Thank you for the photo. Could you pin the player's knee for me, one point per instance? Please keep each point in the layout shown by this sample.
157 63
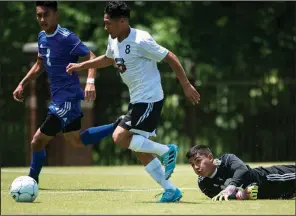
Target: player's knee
74 139
117 138
37 144
120 139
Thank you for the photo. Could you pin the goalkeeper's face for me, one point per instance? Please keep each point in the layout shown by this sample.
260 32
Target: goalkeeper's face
203 164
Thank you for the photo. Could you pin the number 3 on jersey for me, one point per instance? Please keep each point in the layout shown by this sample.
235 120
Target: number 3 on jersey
47 57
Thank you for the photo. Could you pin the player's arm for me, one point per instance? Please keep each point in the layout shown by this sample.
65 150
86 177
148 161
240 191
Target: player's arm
206 190
91 71
150 49
90 90
33 73
79 49
98 62
239 172
238 168
176 66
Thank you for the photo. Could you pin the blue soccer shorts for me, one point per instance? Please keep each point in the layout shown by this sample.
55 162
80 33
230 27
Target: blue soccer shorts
62 117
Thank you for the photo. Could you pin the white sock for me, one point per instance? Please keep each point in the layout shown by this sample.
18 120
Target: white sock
142 144
157 173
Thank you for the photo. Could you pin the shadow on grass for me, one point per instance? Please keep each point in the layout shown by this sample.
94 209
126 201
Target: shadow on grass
181 202
29 203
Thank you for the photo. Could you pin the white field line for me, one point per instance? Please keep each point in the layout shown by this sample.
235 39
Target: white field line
94 172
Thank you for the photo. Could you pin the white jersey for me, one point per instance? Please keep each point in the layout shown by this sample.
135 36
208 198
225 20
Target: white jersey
136 58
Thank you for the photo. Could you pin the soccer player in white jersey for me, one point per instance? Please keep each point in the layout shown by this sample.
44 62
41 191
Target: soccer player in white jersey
135 54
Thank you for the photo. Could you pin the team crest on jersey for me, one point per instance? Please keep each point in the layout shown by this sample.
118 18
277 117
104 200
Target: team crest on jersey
121 68
217 162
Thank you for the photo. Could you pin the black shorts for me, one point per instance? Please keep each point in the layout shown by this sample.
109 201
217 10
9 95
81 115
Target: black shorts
279 183
142 118
52 125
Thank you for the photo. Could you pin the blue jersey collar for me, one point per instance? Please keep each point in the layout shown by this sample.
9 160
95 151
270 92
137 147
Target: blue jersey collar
55 32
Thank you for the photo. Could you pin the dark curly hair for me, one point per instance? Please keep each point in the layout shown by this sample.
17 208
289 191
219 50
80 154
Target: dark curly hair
117 9
50 4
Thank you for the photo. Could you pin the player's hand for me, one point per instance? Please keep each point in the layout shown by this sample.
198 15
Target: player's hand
90 92
191 93
224 194
18 94
250 192
73 67
220 197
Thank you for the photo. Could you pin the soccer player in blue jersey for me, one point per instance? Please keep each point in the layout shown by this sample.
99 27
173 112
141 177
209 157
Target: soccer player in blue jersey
57 47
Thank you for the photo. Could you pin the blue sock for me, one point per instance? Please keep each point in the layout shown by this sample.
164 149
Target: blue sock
37 162
96 134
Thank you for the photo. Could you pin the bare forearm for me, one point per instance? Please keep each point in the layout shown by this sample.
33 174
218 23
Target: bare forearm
176 66
34 72
98 62
92 71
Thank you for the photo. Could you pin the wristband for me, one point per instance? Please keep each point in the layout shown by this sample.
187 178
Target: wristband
90 81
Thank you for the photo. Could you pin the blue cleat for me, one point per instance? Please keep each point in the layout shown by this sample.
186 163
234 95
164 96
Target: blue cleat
169 160
170 196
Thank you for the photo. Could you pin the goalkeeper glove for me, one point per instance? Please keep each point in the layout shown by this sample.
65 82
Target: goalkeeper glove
224 194
249 193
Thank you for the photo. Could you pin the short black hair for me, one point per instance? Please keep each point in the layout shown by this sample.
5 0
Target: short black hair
117 9
200 149
50 4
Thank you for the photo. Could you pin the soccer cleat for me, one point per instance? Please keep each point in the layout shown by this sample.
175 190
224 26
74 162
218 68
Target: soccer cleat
170 195
169 160
118 120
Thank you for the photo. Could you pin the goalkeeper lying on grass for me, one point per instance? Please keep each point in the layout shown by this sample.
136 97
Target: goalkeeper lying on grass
229 178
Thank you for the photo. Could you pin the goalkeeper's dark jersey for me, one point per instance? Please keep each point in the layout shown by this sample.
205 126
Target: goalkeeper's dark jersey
232 171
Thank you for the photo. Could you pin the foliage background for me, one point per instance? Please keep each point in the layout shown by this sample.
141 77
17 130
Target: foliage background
240 55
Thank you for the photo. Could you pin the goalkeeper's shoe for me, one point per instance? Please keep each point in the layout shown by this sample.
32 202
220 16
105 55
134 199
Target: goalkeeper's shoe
169 160
170 195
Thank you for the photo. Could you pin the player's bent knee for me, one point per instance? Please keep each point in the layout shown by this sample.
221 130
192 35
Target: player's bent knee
39 141
117 138
136 142
121 139
73 138
37 144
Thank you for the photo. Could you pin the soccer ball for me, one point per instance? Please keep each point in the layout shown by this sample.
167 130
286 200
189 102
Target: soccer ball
24 189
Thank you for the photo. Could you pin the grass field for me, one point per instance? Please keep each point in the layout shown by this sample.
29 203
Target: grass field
123 190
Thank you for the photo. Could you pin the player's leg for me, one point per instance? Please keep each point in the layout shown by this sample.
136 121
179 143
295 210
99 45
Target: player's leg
71 133
285 178
78 139
123 133
49 128
142 120
71 119
94 135
154 168
280 183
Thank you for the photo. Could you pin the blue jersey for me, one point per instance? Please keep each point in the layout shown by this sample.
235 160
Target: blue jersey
57 51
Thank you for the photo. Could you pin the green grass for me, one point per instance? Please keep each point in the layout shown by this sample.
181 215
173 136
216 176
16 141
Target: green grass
122 190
